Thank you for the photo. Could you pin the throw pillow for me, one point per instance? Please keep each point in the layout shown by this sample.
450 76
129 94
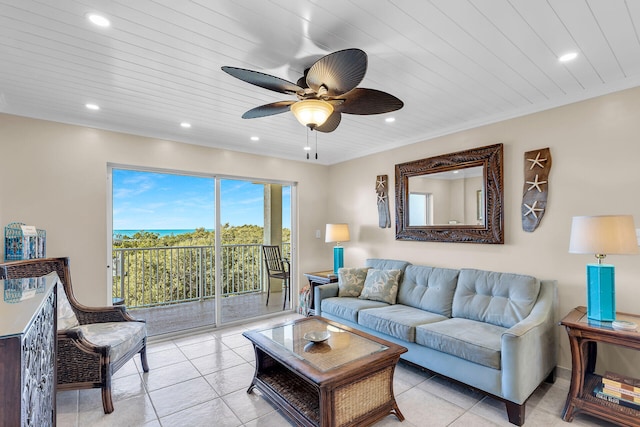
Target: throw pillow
351 281
381 285
66 317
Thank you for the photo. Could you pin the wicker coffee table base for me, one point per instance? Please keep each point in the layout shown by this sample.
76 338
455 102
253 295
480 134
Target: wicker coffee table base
361 402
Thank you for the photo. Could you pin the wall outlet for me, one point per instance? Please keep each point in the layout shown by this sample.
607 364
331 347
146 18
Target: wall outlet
638 235
318 234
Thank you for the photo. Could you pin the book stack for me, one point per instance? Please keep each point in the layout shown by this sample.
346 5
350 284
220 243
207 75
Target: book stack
619 389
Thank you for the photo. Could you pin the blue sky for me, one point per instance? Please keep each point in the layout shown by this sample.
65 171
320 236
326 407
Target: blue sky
159 201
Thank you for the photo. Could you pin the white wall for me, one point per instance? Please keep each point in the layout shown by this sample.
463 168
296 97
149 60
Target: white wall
54 176
595 146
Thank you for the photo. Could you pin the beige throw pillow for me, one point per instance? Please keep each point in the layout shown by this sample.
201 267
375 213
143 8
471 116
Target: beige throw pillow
351 281
381 285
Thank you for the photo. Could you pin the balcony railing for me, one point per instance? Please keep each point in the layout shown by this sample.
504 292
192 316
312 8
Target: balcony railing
147 277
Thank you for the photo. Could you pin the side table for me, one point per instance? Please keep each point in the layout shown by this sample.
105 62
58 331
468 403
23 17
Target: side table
316 279
584 335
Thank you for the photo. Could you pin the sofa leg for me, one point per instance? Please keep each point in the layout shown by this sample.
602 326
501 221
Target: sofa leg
515 413
551 378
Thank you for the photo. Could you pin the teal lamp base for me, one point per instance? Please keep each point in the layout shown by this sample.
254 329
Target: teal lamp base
601 293
338 258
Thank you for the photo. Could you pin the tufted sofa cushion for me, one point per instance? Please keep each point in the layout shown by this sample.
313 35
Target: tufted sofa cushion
428 288
387 264
502 299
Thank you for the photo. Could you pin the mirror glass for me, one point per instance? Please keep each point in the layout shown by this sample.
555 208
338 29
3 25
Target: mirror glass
453 197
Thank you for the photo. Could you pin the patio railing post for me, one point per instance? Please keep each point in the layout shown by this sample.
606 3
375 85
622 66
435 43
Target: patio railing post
200 274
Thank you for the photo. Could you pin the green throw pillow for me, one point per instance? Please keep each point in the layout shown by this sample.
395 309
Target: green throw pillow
381 285
351 281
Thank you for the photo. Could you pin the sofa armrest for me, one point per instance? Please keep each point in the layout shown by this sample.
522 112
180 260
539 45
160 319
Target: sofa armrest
530 348
321 292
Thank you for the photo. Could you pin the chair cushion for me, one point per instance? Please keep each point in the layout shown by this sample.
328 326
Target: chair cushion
351 281
502 299
397 320
381 285
66 317
120 336
347 307
477 342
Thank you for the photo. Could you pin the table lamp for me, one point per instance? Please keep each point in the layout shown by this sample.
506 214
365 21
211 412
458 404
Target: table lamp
602 235
337 233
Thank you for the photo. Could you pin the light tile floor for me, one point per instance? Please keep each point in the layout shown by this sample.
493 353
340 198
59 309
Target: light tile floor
200 379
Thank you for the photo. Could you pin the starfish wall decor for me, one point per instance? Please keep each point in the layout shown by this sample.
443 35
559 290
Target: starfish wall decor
382 191
537 165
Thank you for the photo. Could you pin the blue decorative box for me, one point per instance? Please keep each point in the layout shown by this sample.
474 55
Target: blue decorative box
24 242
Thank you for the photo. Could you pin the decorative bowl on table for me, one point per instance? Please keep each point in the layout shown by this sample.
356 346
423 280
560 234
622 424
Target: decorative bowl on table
317 336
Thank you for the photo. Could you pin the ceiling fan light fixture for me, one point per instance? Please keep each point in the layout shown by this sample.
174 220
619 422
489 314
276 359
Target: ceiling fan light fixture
312 112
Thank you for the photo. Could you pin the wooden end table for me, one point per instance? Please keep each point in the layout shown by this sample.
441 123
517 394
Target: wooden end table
316 279
584 335
346 380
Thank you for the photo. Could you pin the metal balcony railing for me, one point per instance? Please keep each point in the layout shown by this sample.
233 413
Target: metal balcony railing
147 277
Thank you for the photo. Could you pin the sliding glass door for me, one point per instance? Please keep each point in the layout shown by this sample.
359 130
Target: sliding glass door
186 250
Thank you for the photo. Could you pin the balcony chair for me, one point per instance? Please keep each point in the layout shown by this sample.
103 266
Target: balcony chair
277 268
93 342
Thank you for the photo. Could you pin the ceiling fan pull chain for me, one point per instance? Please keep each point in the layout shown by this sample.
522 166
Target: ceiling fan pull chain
307 147
316 145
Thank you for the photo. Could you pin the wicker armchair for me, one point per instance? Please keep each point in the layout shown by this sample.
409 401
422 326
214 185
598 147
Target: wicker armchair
93 342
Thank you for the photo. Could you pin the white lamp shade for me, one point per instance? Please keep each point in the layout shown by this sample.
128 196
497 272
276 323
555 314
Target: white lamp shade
606 235
337 233
312 112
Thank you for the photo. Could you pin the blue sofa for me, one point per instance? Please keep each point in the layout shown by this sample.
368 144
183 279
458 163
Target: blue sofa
495 332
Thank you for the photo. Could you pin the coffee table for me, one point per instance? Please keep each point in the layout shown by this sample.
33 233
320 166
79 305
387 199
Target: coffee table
346 380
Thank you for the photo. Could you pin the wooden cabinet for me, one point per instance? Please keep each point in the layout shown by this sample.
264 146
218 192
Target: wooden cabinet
28 352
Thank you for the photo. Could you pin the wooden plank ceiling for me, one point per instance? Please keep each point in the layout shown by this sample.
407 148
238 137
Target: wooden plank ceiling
456 64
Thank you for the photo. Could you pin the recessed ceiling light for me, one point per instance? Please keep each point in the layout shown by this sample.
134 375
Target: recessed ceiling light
307 148
390 119
255 138
92 106
98 20
568 57
185 125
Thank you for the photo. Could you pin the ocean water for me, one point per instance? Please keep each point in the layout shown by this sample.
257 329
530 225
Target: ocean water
162 233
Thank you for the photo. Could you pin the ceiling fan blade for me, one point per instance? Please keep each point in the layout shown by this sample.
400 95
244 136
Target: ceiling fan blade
263 80
268 109
368 101
331 124
339 72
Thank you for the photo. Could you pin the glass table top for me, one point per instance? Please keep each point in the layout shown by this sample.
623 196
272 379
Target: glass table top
341 346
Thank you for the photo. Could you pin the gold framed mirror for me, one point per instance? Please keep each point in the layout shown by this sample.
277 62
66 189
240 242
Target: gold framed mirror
456 197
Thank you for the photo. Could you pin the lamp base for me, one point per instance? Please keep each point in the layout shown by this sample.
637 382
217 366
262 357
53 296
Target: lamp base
601 293
338 258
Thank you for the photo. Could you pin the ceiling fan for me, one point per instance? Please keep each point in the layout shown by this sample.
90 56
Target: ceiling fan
325 91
